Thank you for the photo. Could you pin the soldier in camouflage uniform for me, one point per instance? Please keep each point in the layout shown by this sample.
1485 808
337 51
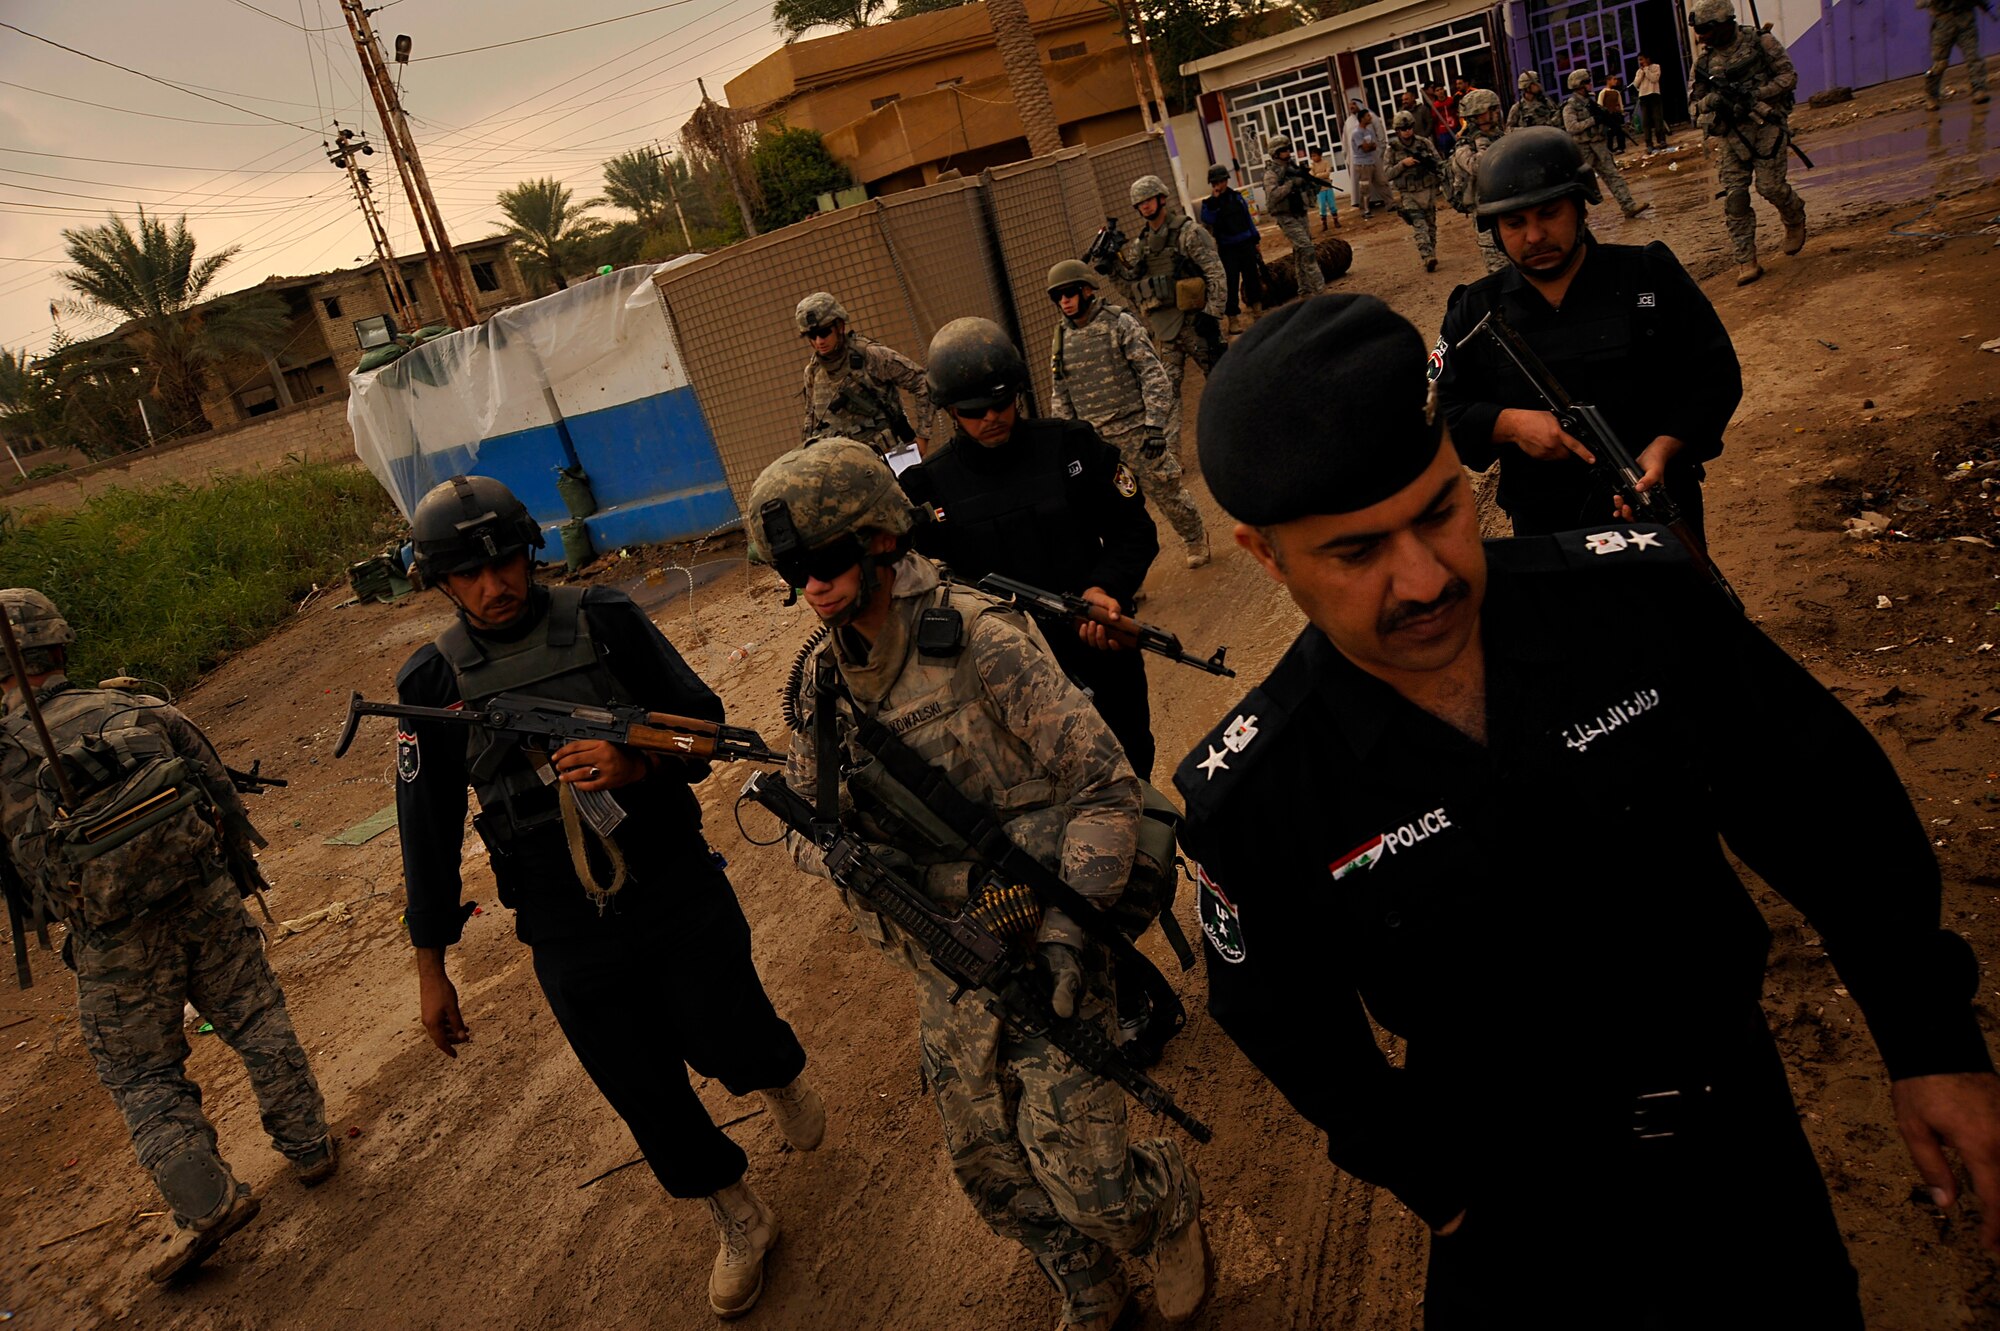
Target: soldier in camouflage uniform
156 921
1585 121
1954 23
1170 250
1480 129
1533 107
1038 1143
852 383
1411 164
1285 193
1108 374
1742 96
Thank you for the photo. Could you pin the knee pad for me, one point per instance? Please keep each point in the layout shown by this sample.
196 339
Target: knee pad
195 1183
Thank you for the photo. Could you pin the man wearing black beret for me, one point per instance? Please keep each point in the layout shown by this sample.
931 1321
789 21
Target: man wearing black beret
1484 800
1623 328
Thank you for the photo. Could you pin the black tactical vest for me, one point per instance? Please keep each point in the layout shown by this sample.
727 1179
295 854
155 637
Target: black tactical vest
1015 518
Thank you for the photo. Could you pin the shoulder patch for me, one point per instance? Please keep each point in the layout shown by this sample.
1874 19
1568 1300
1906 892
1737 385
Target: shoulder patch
1127 484
1206 775
1434 366
1221 924
409 756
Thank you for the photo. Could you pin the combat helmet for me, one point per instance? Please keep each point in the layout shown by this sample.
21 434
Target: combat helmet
1217 174
1528 76
808 509
819 310
1478 102
1069 273
1147 187
1529 167
468 521
1710 13
974 365
1579 78
1404 120
1278 143
36 621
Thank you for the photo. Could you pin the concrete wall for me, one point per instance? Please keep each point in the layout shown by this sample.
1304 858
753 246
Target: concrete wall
316 431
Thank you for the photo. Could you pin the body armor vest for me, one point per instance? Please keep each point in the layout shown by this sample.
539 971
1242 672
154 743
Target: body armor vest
1101 385
1018 521
1744 67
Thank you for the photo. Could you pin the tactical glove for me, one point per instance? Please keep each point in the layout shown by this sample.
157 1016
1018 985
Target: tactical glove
1065 965
1153 445
1208 328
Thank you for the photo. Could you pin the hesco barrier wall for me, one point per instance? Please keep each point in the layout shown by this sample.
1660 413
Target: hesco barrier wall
903 267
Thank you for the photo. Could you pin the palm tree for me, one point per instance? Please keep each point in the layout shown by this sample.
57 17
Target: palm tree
551 237
1029 85
152 279
638 181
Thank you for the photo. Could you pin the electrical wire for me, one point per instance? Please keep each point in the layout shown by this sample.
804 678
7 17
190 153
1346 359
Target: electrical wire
544 36
151 78
153 115
245 4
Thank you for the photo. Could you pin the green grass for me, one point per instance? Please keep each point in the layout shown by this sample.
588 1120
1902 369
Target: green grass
164 583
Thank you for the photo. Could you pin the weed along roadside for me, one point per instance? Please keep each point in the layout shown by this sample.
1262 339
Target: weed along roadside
171 579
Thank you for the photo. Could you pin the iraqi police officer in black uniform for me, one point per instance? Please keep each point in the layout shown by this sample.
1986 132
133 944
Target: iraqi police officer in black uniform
648 968
1484 800
1623 327
1044 501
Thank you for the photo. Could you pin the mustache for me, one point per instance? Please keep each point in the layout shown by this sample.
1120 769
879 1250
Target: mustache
1403 612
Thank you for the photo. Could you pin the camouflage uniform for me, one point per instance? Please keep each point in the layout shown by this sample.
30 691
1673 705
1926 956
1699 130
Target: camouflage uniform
1955 23
1752 149
1579 119
1462 190
1416 188
1107 373
1537 109
861 416
159 922
1039 1144
1285 198
1151 263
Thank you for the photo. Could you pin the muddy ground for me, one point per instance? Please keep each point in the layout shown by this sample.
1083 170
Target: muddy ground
467 1197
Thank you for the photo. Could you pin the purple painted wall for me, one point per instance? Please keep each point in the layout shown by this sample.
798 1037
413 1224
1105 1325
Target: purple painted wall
1862 42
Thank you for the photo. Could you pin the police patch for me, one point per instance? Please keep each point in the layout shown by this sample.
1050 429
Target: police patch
1434 366
1219 920
409 758
1127 483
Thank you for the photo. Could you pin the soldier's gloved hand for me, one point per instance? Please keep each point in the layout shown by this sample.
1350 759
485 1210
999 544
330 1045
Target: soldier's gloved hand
1152 445
1065 965
1207 327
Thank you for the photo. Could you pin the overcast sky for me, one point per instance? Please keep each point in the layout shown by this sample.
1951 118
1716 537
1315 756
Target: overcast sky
484 120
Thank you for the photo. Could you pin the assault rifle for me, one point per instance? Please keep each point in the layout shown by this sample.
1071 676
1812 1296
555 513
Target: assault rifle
253 782
1740 104
1615 462
1305 177
1103 252
1063 609
552 722
1015 988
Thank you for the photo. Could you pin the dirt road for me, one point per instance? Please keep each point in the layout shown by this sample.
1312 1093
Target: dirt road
466 1199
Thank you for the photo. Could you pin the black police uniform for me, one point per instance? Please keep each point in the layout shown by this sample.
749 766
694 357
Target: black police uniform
1635 337
662 977
1053 507
1549 920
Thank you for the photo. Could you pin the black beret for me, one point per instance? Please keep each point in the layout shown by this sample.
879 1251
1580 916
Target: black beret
1319 408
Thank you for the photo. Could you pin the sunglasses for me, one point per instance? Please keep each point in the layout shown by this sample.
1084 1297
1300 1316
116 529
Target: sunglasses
824 563
974 413
1074 289
818 331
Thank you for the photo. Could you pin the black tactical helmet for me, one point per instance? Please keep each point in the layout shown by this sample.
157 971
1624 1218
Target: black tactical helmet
973 364
1529 167
468 521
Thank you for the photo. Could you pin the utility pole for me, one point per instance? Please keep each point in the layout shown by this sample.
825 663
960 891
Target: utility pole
667 164
438 254
342 152
727 144
1160 95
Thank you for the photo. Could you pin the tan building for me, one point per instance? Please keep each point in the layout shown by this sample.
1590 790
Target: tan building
900 102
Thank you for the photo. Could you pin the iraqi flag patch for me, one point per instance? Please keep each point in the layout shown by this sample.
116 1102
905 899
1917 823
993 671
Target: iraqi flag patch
409 758
1363 856
1220 923
1434 366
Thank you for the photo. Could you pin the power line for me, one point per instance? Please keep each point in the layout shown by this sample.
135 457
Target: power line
276 19
154 115
151 78
158 166
543 36
120 184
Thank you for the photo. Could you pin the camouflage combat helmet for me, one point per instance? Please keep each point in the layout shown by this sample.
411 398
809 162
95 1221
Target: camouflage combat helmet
1147 187
1708 13
819 310
1069 273
36 621
973 364
468 521
1404 120
1278 143
814 496
1529 167
1579 78
1529 78
1479 102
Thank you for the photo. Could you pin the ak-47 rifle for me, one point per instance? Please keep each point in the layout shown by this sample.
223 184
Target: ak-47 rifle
550 723
1587 425
1064 609
1014 985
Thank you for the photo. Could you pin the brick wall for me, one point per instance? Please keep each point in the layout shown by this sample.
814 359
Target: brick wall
316 430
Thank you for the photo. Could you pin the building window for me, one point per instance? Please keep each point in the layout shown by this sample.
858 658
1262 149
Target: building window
1070 52
877 103
484 277
332 306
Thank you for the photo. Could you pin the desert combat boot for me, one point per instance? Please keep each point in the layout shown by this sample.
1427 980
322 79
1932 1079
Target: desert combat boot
1183 1269
189 1247
749 1230
800 1115
1795 236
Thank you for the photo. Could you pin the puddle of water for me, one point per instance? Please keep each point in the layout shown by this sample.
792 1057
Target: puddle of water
1897 156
